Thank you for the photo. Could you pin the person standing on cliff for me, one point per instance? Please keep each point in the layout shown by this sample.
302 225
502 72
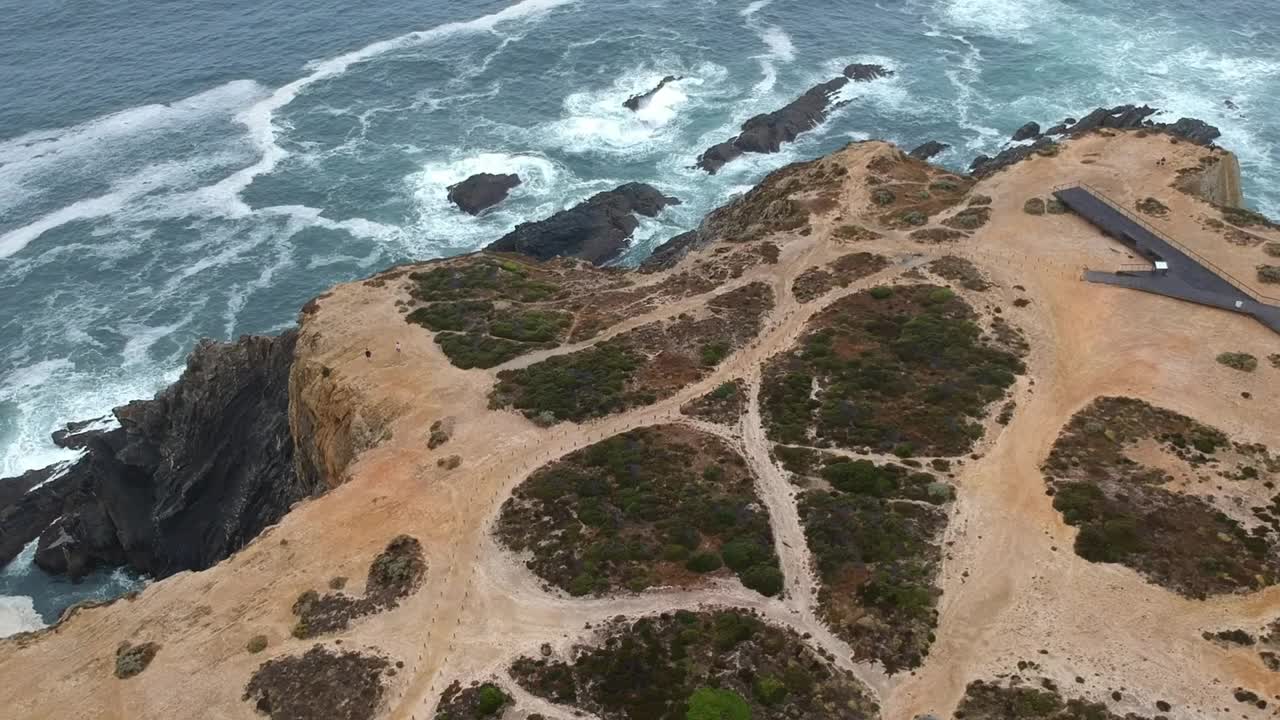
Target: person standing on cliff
368 354
397 347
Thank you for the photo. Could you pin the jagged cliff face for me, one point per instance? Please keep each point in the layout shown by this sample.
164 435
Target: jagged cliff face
507 365
189 477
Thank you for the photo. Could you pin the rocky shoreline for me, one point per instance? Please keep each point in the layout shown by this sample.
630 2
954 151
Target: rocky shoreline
191 476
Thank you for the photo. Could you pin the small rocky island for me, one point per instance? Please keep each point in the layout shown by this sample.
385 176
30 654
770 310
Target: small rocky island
481 192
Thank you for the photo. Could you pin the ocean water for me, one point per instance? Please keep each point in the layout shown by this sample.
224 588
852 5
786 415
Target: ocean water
169 172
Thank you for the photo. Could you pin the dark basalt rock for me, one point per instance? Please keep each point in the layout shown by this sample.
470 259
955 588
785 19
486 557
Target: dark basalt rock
1197 131
635 102
670 252
75 435
596 230
1027 132
928 150
29 502
766 133
1121 117
480 192
188 478
859 72
984 165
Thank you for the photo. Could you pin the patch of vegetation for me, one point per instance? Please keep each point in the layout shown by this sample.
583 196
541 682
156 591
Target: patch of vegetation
133 659
1014 701
1243 217
855 233
798 460
883 196
487 279
874 538
394 574
589 383
1033 206
960 270
723 405
977 200
879 369
1274 359
1241 361
637 367
256 644
971 218
721 665
1153 207
1127 516
319 684
841 272
1269 274
473 350
475 702
654 506
1272 249
937 235
1054 206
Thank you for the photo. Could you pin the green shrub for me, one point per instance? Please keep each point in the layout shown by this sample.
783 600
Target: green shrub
769 689
1243 362
712 353
257 644
473 350
704 562
531 325
883 196
457 316
741 553
708 703
584 384
881 292
939 296
764 579
490 700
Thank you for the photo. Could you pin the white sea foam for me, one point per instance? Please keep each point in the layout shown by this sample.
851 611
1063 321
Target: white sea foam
259 118
1015 20
754 7
18 614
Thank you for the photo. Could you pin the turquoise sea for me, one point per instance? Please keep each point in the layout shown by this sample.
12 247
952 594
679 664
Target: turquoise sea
170 171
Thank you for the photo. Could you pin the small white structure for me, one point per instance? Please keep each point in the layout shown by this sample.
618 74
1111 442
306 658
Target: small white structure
1162 267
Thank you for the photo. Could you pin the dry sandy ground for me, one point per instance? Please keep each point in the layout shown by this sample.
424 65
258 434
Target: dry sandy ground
1013 590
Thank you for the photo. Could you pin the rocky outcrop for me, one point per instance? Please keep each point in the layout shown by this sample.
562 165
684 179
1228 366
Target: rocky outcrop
33 500
766 133
481 192
1121 117
596 230
670 252
928 150
189 477
1027 132
984 165
636 102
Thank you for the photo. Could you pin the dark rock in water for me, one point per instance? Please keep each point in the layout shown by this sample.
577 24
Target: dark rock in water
76 434
984 165
596 229
635 102
1197 131
29 502
928 150
1027 132
189 477
859 72
1121 117
670 252
480 192
766 133
1228 104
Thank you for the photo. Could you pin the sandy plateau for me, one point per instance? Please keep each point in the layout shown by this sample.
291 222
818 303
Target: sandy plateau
1012 589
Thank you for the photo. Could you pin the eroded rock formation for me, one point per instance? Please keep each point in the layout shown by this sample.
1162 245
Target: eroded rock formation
481 192
596 229
185 480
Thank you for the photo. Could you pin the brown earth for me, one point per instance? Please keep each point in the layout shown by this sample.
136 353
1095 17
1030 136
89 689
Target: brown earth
1011 587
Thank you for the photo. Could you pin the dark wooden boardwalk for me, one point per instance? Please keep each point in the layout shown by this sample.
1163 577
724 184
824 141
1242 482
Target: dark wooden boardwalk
1189 277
